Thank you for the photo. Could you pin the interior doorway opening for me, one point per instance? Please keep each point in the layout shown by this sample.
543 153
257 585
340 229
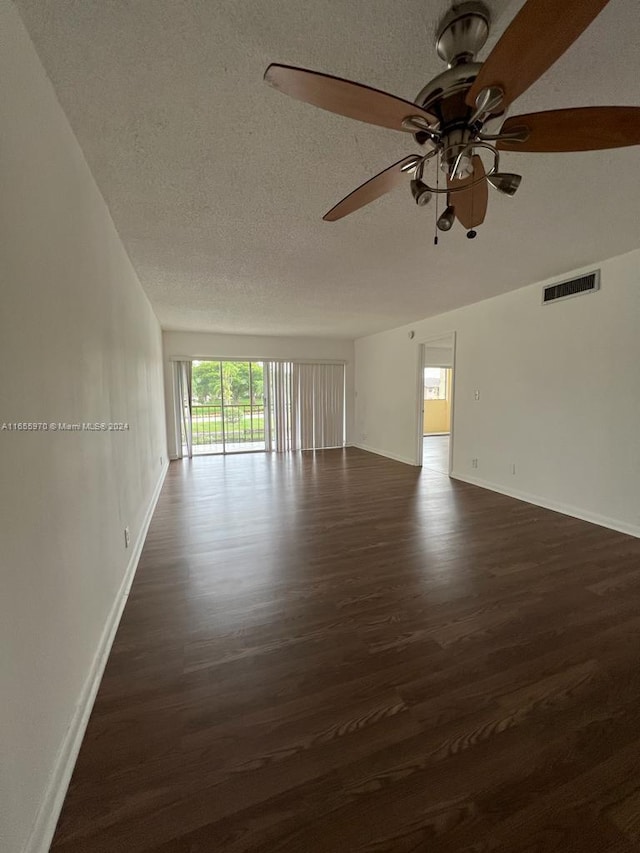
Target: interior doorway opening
435 428
436 418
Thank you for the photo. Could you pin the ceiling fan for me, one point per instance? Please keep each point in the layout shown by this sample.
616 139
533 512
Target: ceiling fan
459 114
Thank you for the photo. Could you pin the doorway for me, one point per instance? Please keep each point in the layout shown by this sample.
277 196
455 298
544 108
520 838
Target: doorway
435 425
227 411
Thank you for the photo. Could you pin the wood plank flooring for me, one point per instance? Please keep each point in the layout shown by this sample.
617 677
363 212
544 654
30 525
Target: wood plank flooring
337 653
435 453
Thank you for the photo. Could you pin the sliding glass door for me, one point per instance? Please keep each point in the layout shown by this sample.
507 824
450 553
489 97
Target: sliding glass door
220 406
227 407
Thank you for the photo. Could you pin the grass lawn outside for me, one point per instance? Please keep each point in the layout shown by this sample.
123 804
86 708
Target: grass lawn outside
207 429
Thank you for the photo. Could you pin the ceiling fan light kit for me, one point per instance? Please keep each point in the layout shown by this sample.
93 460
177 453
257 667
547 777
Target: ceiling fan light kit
460 114
446 219
421 192
505 182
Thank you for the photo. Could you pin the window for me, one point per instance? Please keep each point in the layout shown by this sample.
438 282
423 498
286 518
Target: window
435 383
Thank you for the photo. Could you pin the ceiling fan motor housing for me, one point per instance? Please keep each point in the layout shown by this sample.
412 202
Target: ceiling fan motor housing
462 33
456 80
445 97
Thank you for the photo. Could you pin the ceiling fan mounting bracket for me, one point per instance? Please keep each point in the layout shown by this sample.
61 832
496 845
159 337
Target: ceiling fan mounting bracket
416 124
463 32
488 102
516 134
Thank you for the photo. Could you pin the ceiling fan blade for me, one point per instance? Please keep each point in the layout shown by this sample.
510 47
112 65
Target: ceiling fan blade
380 184
344 97
582 129
470 205
538 36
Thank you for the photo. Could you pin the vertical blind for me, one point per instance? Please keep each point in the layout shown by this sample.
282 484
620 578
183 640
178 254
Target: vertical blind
278 394
183 408
306 405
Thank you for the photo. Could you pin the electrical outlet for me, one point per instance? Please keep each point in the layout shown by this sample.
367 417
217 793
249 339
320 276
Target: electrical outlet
161 460
474 463
476 394
127 537
513 468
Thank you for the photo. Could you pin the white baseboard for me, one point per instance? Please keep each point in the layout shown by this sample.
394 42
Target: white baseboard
556 506
393 456
51 806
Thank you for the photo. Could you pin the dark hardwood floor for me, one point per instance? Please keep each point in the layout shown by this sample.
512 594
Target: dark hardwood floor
435 453
336 653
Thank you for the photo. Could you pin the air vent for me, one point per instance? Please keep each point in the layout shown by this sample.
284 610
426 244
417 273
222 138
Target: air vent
573 287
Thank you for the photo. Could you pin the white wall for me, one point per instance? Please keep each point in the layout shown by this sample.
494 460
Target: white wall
559 395
78 343
203 345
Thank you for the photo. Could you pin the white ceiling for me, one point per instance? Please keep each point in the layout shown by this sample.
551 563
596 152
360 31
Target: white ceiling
217 184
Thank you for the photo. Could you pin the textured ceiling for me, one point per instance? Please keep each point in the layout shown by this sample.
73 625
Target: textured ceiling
217 184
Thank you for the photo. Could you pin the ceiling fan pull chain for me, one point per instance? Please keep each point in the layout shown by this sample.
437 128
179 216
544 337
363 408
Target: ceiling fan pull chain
435 224
471 234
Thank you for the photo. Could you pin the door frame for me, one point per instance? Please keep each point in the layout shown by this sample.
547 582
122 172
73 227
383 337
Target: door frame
422 363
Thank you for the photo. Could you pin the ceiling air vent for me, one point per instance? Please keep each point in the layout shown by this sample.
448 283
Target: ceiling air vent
573 287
